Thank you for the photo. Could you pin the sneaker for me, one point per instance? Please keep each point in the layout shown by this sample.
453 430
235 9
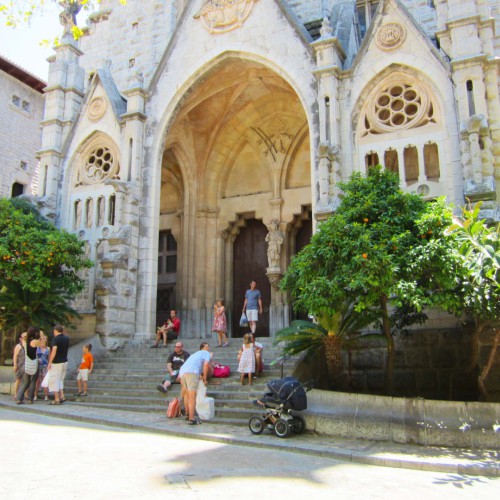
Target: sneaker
46 398
78 394
83 394
225 345
161 388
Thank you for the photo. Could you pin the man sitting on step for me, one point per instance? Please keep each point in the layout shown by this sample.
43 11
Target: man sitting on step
170 330
174 362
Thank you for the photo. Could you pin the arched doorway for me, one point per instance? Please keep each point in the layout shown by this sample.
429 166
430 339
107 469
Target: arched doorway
236 163
249 264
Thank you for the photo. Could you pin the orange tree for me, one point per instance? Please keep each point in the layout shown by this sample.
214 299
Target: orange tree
39 267
382 247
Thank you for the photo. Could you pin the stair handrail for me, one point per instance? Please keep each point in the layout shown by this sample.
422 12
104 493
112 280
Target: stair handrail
281 361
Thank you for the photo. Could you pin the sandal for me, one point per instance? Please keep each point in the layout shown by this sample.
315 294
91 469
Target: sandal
194 422
64 400
54 403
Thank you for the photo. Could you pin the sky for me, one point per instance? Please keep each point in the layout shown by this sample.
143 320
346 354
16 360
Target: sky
21 45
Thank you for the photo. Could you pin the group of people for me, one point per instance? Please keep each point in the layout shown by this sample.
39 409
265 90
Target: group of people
36 365
189 369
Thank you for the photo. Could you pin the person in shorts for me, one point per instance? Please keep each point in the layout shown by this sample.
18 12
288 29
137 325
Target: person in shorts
174 362
57 364
252 306
197 366
86 367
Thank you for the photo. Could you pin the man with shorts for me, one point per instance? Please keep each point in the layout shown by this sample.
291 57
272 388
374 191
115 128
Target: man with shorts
170 330
196 366
57 364
174 362
253 305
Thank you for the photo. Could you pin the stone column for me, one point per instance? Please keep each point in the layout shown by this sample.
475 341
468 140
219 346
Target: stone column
466 32
329 59
64 94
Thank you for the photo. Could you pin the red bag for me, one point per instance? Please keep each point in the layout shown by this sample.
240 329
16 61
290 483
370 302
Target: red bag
174 408
221 371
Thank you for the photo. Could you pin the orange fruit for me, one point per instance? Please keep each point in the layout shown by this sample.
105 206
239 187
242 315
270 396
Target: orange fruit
365 256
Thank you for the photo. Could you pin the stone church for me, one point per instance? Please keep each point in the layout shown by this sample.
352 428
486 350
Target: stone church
194 145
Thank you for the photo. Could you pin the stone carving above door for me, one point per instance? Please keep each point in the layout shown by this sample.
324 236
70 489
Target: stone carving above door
221 16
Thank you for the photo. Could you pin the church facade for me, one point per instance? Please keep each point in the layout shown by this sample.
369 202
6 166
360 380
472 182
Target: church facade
194 145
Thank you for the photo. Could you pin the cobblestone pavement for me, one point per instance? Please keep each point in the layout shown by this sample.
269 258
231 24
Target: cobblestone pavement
46 457
476 462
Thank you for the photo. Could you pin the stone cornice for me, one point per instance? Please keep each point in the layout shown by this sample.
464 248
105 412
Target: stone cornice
333 70
324 43
136 91
64 89
48 152
51 121
467 61
135 115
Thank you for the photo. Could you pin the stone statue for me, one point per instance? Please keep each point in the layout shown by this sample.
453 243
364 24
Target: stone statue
67 17
274 240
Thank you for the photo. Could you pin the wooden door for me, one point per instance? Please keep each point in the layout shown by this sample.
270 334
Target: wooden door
250 263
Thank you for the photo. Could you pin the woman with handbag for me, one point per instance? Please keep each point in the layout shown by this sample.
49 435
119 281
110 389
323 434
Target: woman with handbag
30 376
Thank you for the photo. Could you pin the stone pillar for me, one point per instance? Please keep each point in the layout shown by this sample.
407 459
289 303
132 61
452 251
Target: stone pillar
326 174
64 95
466 32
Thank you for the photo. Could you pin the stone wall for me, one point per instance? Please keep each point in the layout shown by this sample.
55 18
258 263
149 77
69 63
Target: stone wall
433 364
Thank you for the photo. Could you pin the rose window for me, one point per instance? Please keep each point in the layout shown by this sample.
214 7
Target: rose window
99 166
398 106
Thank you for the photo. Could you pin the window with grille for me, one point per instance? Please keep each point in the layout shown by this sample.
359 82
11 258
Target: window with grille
167 258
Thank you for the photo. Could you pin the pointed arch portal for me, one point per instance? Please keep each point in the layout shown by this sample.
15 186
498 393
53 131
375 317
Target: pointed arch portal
236 150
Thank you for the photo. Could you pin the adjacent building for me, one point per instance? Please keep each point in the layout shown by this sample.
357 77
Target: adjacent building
21 111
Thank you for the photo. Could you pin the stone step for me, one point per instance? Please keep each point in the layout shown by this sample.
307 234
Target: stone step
127 379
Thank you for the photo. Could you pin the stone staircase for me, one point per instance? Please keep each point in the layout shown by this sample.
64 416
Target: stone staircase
127 380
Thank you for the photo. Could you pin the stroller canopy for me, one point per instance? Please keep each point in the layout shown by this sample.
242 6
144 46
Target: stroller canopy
287 390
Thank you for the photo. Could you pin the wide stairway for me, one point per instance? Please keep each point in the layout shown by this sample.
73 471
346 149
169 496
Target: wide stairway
127 380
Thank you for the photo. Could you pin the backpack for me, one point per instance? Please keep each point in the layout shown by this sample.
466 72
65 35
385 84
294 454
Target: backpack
174 408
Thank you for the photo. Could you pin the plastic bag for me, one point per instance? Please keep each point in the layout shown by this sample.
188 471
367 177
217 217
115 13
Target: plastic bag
205 407
45 381
243 320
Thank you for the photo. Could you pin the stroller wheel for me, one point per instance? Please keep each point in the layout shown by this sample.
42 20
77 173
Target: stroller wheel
256 425
298 425
282 428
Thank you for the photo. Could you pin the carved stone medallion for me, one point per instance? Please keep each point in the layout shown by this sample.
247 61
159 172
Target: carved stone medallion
390 36
97 108
221 16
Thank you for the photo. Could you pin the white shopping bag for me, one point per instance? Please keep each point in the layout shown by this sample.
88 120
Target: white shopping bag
45 381
205 407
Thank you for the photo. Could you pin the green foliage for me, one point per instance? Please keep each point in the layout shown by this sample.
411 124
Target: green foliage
39 265
361 253
478 248
304 335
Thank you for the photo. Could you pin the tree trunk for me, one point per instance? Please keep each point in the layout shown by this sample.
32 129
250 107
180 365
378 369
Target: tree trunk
386 327
489 364
334 360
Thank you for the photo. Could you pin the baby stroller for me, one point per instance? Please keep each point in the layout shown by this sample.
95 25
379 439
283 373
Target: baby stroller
285 398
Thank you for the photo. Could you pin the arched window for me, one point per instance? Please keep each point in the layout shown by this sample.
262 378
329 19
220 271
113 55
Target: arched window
431 161
89 212
391 161
77 216
411 164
